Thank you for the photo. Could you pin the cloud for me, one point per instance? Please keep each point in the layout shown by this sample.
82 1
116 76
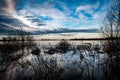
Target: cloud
52 13
83 10
99 15
90 14
86 8
28 19
10 7
65 30
54 18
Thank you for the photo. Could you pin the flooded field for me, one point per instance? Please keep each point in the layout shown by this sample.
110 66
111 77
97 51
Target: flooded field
53 60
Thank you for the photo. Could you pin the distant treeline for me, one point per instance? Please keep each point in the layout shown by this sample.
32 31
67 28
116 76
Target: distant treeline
114 38
75 39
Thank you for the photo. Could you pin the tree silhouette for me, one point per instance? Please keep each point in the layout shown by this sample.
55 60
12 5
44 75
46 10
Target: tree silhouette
111 29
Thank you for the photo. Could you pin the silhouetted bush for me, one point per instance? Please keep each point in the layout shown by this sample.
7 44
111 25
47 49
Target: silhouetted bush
51 51
84 47
36 51
16 42
63 46
13 47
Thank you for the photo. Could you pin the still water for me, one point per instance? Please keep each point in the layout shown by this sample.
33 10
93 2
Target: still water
53 43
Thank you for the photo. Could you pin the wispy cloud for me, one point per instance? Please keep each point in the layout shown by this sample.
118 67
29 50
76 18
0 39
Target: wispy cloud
10 7
82 10
54 18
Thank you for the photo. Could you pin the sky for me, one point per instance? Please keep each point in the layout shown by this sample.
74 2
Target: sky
43 15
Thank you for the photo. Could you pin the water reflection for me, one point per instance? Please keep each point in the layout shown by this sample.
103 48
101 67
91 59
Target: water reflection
71 60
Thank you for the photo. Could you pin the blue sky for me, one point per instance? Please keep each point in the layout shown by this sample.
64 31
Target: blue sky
55 14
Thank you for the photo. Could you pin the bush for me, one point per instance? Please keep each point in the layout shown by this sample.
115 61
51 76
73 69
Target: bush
63 46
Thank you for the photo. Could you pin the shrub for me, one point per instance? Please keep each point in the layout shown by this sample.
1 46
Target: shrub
63 46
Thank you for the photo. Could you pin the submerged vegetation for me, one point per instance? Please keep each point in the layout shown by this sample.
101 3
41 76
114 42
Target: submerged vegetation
86 61
63 46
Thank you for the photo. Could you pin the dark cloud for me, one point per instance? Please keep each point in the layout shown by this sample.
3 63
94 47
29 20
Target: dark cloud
2 6
2 3
7 21
9 6
65 30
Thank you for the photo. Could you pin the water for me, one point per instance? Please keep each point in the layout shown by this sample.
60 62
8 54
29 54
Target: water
67 35
70 61
53 43
64 36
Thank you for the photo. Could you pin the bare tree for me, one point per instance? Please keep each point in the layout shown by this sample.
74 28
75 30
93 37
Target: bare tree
111 29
